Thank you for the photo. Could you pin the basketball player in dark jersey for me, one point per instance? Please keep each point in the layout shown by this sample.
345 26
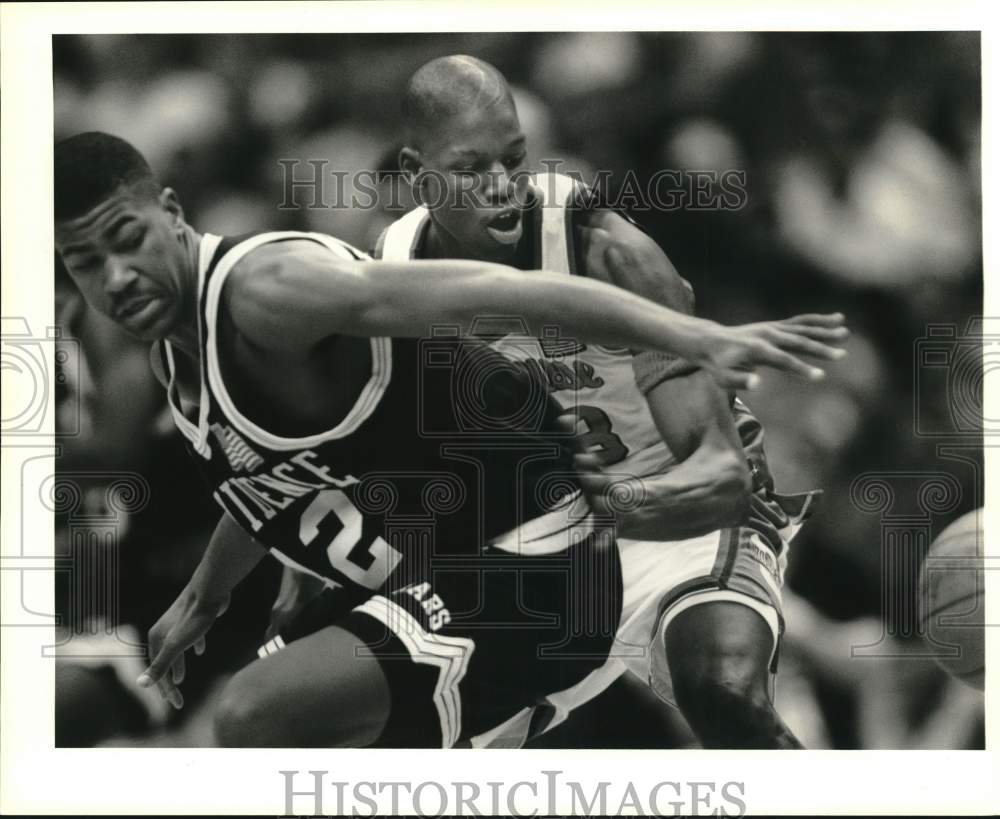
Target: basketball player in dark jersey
703 610
288 369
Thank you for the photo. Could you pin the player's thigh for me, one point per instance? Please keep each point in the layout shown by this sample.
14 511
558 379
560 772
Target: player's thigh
732 577
323 689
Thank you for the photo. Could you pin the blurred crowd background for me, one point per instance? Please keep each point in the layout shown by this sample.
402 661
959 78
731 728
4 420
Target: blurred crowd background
862 160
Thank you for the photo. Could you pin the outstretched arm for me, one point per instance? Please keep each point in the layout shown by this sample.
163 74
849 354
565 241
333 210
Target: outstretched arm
332 296
230 556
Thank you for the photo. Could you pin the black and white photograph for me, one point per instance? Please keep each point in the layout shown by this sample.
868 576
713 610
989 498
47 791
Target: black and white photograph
560 415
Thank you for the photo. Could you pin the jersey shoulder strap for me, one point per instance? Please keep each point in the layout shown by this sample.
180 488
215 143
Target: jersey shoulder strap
560 200
401 240
226 256
231 249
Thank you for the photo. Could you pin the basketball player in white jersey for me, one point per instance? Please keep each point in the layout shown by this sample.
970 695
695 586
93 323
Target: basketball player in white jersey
703 556
280 371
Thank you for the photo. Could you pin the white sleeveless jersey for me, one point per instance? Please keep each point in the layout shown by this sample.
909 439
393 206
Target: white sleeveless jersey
660 577
595 383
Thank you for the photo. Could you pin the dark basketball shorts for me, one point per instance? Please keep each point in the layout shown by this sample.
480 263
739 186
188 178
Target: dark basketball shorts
471 646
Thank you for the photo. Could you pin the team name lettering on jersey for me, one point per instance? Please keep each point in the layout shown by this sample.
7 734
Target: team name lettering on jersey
558 375
432 604
237 451
267 493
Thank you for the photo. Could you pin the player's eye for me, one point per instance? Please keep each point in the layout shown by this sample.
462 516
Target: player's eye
87 264
513 161
131 239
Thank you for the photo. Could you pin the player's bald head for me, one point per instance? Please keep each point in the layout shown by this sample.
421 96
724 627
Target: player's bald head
456 85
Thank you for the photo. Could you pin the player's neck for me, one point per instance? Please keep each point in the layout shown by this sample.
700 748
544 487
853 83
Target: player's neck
438 244
185 334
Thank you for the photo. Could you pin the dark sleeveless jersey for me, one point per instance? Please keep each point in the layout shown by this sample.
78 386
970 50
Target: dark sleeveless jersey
447 448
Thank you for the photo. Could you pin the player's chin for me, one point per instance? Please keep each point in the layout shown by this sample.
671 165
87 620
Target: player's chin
491 250
157 327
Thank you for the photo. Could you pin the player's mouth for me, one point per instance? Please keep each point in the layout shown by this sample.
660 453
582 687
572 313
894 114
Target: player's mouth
139 311
506 227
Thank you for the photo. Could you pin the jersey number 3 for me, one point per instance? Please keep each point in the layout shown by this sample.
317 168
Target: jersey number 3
598 437
332 513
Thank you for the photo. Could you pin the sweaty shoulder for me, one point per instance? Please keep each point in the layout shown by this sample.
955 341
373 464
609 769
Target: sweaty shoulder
282 295
592 240
616 251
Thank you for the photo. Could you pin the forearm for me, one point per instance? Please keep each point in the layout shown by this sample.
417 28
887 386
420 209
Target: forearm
704 493
231 555
412 297
710 486
692 412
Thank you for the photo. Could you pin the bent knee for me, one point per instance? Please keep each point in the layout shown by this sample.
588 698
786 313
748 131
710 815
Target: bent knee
722 699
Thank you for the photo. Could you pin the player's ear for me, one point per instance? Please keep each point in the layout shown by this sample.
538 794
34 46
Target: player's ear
410 164
172 205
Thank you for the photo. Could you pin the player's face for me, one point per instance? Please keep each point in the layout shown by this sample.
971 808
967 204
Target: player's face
478 182
127 257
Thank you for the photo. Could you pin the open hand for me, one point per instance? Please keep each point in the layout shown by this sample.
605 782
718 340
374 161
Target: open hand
732 355
183 626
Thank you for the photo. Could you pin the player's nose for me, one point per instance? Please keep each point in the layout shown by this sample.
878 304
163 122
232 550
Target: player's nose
499 183
119 275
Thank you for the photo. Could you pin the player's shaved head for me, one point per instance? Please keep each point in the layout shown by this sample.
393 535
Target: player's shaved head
447 87
465 156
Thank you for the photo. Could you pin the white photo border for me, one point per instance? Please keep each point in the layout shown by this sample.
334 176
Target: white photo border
37 778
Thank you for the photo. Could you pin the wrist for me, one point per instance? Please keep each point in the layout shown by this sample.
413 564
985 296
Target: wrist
203 599
704 334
